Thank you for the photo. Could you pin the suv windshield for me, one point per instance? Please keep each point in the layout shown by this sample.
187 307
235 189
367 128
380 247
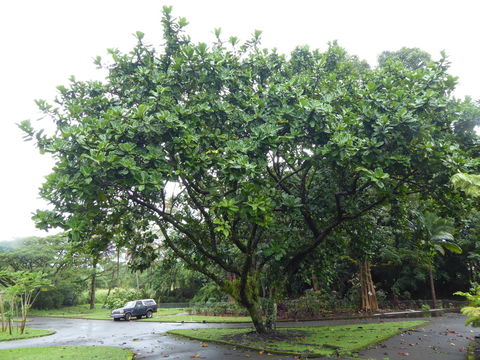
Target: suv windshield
130 304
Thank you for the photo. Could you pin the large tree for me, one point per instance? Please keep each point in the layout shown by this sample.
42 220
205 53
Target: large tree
243 160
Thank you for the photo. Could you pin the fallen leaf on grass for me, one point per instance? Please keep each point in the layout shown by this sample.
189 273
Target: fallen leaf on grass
451 344
404 354
196 356
204 345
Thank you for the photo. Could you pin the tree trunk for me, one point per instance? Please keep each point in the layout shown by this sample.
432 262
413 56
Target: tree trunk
110 285
2 316
271 315
23 323
257 318
432 285
368 293
118 267
25 300
315 286
93 285
231 277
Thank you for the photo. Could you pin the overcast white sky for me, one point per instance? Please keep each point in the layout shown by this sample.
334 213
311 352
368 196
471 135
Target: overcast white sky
44 42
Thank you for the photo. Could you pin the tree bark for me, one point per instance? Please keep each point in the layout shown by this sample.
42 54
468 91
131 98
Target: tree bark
432 285
271 315
257 318
93 285
368 293
118 267
2 316
110 285
315 285
231 277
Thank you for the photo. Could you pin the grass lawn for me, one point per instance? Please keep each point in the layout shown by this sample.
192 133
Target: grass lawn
29 333
306 341
202 318
67 352
83 312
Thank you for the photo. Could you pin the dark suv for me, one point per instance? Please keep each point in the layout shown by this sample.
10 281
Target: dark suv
137 308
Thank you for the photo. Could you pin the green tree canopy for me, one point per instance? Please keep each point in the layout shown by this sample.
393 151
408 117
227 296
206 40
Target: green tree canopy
244 160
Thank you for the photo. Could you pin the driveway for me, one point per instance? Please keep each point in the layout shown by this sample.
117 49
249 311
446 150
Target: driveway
445 338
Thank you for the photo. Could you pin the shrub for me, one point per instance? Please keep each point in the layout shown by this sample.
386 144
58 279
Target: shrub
218 309
314 303
425 307
119 296
473 309
101 296
208 293
56 298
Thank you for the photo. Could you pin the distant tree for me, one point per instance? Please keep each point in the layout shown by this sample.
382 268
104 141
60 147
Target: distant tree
23 287
436 236
412 58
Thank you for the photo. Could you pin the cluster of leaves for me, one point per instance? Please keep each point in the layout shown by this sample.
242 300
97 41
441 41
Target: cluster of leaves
19 288
473 310
119 297
218 308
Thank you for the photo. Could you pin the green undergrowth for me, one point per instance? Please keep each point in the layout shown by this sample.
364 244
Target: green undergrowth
202 318
67 352
28 333
305 341
83 312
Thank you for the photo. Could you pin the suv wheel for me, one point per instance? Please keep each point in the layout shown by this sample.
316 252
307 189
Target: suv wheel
128 316
149 314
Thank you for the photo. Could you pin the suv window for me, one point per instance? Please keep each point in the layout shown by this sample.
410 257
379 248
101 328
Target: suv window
138 304
148 302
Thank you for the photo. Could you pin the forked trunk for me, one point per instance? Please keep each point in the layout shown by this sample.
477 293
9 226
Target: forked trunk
368 293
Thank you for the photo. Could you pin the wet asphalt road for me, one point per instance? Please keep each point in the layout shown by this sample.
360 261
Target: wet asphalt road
445 338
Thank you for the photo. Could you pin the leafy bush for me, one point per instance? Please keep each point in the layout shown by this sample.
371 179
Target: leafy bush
210 292
218 309
473 310
119 296
312 304
56 298
425 307
101 296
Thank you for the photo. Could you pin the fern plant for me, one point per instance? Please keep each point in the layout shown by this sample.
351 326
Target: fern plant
472 311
